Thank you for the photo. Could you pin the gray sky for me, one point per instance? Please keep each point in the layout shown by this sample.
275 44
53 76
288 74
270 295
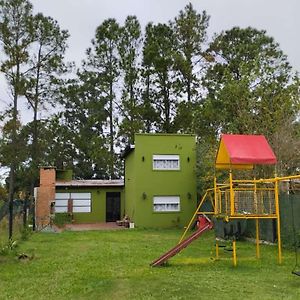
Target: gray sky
81 17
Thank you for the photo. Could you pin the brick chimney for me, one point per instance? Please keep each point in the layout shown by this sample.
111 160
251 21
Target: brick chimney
45 195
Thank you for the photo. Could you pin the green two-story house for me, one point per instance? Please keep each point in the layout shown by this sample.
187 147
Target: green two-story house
160 180
159 188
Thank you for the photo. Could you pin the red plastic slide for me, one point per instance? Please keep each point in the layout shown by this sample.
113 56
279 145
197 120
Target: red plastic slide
183 244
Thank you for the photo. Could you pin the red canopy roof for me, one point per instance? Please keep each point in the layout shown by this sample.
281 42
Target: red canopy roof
236 149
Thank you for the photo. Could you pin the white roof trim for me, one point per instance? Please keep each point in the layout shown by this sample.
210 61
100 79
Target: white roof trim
90 183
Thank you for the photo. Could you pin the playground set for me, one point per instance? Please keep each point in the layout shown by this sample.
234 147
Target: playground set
237 199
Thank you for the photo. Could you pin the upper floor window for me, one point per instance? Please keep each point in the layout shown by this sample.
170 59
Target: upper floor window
166 162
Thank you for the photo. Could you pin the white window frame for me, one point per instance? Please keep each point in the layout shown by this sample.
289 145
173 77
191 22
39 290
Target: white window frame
82 202
163 158
61 202
166 203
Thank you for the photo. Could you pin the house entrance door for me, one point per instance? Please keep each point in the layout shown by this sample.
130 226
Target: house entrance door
113 206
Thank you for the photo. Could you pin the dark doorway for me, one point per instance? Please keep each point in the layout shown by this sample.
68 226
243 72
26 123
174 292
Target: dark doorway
113 200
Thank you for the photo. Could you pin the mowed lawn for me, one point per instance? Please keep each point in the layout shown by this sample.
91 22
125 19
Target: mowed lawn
115 265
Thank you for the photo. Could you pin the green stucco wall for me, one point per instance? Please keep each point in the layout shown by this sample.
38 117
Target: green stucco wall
98 206
130 186
140 178
64 174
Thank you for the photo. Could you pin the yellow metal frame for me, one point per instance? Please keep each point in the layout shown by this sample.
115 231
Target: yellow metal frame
257 238
234 185
234 253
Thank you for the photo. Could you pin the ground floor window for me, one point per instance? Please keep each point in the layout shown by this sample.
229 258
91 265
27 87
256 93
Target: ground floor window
77 202
166 203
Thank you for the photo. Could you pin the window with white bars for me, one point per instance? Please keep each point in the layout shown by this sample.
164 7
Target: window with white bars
61 202
166 162
81 202
166 203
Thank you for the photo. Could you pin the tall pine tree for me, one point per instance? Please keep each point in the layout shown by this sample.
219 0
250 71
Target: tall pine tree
158 61
129 50
102 63
42 80
190 63
16 34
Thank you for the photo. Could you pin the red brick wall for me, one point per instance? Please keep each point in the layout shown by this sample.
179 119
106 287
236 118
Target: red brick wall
45 195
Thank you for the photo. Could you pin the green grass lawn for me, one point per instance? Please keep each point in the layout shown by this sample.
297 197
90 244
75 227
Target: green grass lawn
115 265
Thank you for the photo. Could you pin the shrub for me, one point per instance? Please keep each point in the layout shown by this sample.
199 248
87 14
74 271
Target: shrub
62 218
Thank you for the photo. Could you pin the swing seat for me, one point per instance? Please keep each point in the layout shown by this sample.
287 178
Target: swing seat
296 273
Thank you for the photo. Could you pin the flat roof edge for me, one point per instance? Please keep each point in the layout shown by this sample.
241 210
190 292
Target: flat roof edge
90 183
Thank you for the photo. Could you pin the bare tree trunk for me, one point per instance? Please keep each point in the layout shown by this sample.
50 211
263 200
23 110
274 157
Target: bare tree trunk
111 131
167 108
188 90
14 155
148 123
34 152
11 199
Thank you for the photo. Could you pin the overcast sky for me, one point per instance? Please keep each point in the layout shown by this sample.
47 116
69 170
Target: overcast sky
81 17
